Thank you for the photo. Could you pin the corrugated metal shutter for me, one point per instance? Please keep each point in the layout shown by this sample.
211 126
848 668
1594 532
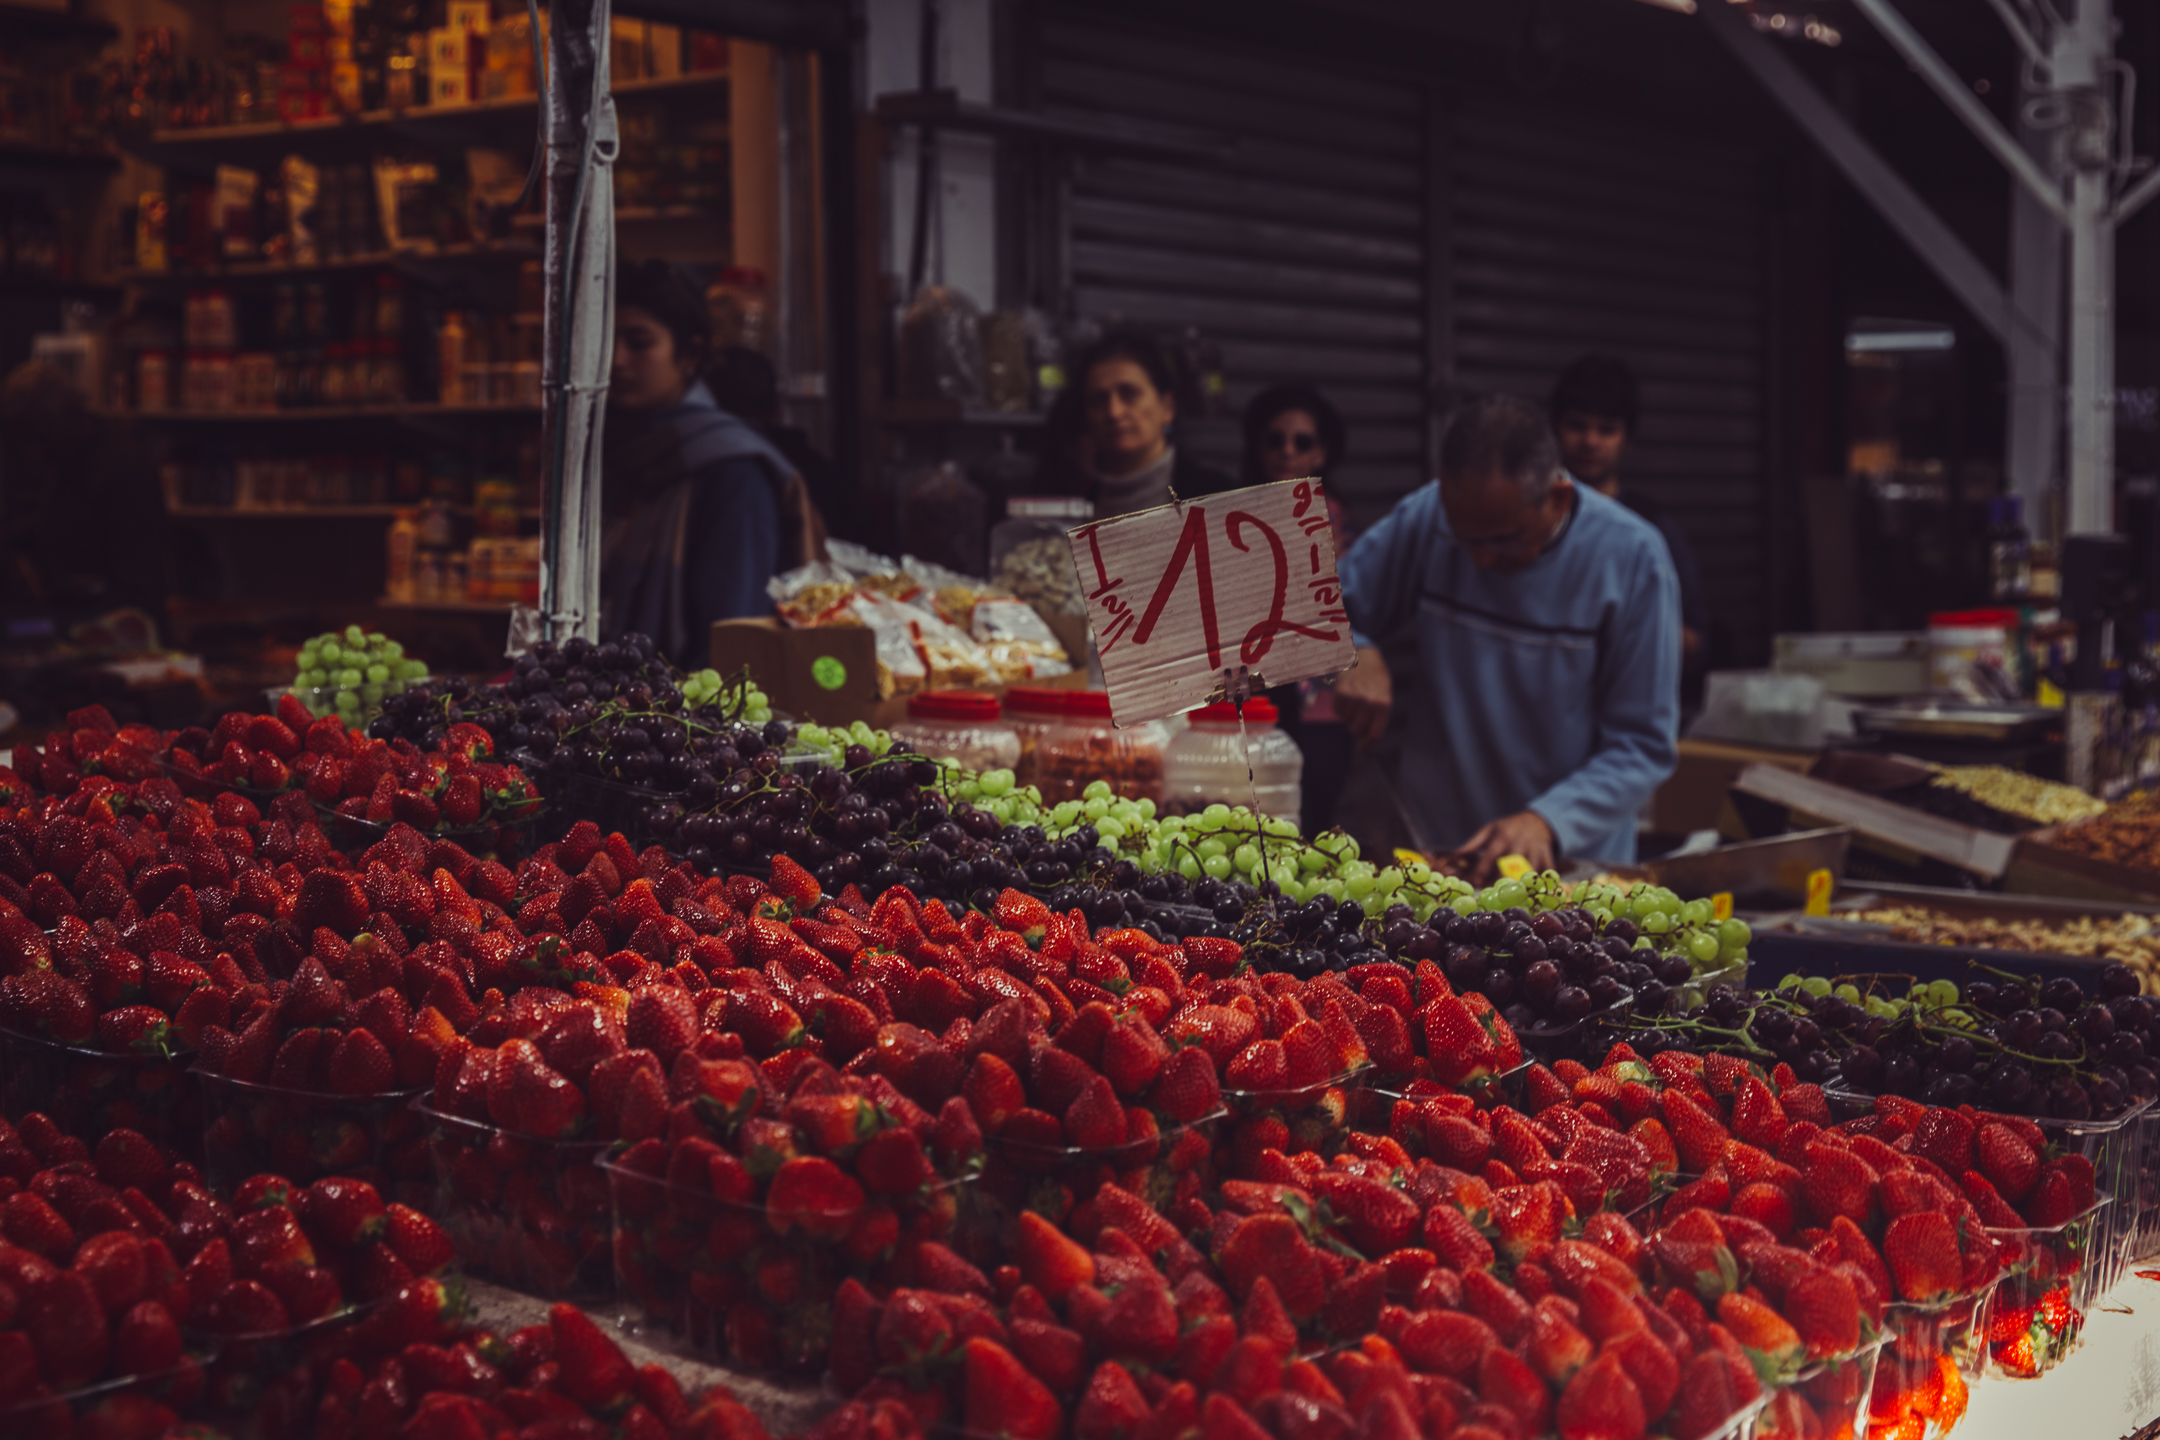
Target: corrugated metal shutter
1303 255
1575 230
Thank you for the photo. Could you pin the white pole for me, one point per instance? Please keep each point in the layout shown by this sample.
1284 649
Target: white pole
579 332
2079 60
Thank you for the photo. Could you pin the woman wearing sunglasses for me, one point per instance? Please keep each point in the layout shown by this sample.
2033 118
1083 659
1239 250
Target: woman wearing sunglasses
1291 432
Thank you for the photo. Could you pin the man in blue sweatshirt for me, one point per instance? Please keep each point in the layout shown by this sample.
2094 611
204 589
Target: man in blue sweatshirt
1548 620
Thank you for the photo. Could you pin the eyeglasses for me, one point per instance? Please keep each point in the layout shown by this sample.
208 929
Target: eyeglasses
1300 443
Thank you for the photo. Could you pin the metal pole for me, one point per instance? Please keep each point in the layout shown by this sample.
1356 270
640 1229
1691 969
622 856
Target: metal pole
579 332
1955 93
2032 450
2079 60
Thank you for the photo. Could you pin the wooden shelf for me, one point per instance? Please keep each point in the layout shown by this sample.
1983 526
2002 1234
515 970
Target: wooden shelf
210 146
316 512
467 254
30 155
321 414
454 607
35 22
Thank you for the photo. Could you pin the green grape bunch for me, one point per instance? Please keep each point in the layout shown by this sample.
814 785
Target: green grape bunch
349 673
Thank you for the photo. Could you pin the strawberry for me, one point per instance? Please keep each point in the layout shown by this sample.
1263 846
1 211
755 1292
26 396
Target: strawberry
1602 1402
814 1195
661 1019
1527 1218
359 1065
1713 1386
1377 1218
1945 1137
462 800
1000 1397
795 885
340 1210
28 1221
333 899
419 1243
1112 1407
1133 1055
1555 1349
1837 1182
115 1266
245 1307
1049 1260
2010 1164
592 1369
1757 1117
268 1236
1695 1132
146 1340
67 1329
2052 1201
1273 1247
1506 1380
1824 1311
1095 1120
1922 1253
136 1030
1759 1328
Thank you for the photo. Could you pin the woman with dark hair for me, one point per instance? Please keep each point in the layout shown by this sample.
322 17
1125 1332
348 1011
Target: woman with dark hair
700 509
1292 432
1111 429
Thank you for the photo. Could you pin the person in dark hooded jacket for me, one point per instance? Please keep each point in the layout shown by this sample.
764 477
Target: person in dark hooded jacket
700 509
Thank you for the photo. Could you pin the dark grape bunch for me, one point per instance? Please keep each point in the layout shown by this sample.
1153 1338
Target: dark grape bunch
1549 969
2019 1044
1791 1025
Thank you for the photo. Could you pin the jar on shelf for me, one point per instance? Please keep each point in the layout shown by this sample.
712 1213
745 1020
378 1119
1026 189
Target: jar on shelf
1207 763
1083 747
1032 710
962 725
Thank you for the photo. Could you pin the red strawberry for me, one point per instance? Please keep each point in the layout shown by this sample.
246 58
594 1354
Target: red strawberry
1095 1121
136 1030
268 1236
331 898
146 1341
1602 1402
116 1268
1837 1182
462 799
416 1239
795 885
1922 1253
1051 1261
2008 1162
1696 1133
340 1210
1555 1349
1759 1328
592 1369
1713 1386
1133 1055
1000 1397
1022 914
1506 1380
68 1331
359 1065
2052 1201
1945 1137
1824 1310
1112 1408
814 1195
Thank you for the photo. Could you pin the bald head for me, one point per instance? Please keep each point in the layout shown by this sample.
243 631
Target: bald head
1501 483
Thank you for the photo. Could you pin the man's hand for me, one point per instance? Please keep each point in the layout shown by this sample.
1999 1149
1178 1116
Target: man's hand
1525 834
1363 696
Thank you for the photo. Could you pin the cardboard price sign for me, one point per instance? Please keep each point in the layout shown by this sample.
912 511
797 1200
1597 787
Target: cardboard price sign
1184 597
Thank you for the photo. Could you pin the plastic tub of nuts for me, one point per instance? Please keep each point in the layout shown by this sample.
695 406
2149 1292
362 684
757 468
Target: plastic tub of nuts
1084 747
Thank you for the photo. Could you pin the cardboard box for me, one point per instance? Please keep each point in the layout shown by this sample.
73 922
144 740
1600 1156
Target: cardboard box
826 673
1693 796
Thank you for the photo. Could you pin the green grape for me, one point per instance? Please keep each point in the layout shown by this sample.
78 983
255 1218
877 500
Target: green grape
1942 993
1217 865
1817 986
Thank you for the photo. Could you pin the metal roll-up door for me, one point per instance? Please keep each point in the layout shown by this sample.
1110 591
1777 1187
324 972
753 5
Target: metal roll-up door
1301 252
1575 230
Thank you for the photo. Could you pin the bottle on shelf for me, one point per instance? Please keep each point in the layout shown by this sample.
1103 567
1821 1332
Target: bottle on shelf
2009 551
402 545
450 351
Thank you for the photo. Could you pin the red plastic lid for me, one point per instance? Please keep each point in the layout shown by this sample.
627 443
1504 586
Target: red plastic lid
952 705
1036 699
1973 619
1258 711
1088 704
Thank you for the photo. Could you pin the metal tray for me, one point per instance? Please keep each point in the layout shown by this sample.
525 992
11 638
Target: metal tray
1949 720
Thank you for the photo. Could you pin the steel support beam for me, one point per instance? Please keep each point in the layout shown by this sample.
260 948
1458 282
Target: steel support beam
2079 62
2133 199
1934 242
2032 450
1955 93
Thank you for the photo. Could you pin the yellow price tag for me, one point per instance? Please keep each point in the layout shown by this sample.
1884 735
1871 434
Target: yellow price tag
1514 867
1721 904
1819 885
1410 857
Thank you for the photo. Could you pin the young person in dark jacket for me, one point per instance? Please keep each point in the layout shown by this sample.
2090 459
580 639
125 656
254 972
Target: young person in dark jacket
700 509
1111 430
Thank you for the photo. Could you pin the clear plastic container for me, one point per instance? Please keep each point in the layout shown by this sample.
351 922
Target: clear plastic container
1032 711
962 725
1207 763
1084 747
